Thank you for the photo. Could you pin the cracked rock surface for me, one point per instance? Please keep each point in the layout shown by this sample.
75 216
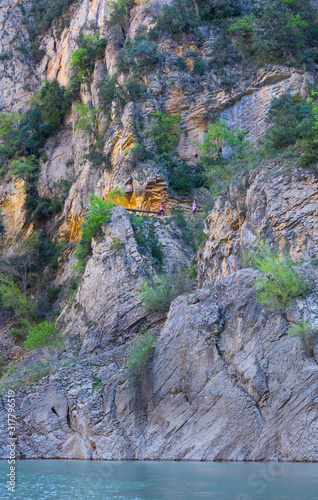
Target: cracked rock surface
226 382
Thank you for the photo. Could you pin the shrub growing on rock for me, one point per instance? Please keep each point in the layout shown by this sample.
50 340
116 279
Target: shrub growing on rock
280 282
307 333
138 360
40 335
178 18
96 215
165 131
139 55
279 31
119 12
157 295
91 48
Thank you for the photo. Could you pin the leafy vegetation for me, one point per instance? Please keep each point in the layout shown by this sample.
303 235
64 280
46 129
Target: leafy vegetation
25 295
217 168
279 30
119 13
307 333
165 131
53 101
292 122
147 239
280 281
15 301
45 11
178 18
156 295
138 359
96 215
139 55
40 335
25 136
91 48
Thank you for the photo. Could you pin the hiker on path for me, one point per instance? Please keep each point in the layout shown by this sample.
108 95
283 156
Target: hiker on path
194 207
161 210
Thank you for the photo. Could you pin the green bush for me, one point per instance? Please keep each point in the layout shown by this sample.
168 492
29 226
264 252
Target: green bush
216 169
218 137
119 13
91 48
181 178
219 9
165 131
45 11
261 249
133 90
178 18
25 135
43 208
280 281
53 293
147 239
155 246
40 335
292 122
307 333
54 101
279 31
139 55
157 295
199 68
95 216
13 300
108 92
138 359
3 364
140 235
27 170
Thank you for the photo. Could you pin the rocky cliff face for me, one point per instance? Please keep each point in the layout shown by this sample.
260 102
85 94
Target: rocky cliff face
277 203
198 100
225 380
226 383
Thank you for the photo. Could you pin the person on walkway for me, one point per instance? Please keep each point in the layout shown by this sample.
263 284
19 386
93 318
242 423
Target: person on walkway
194 207
161 210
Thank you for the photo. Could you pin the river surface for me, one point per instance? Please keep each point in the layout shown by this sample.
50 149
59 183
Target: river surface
87 480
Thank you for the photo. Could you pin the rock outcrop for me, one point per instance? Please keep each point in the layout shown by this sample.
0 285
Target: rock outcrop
278 203
107 309
225 382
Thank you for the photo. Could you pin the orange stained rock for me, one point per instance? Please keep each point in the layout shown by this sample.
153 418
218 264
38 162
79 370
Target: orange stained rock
13 213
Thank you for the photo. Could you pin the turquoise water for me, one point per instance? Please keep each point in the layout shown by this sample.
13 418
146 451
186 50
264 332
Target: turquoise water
87 480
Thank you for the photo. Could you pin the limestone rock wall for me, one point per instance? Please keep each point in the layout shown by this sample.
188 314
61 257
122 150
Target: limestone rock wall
199 100
107 309
17 76
280 205
225 382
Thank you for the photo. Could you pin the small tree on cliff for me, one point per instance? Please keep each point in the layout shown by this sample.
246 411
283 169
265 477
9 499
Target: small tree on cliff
95 216
216 167
165 131
280 281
